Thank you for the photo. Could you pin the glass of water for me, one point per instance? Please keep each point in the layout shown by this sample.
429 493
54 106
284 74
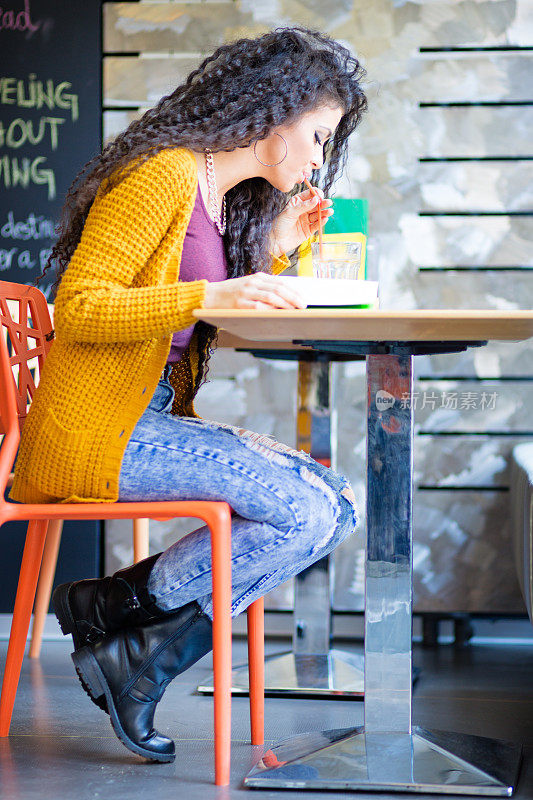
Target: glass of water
339 260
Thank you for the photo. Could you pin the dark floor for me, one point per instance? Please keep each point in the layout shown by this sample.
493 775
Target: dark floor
62 746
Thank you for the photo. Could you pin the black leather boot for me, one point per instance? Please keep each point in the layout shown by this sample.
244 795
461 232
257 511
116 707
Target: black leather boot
90 609
133 667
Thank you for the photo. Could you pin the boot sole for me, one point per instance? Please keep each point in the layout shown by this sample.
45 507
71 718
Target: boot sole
94 680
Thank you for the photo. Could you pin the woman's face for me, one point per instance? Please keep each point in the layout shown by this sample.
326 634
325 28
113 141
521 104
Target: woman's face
305 147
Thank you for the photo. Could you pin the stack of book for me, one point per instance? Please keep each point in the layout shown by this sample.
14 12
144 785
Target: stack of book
335 293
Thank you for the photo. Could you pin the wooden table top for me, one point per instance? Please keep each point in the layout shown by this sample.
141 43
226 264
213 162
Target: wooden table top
366 325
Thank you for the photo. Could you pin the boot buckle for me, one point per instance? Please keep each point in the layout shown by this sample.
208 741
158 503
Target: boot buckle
94 635
132 602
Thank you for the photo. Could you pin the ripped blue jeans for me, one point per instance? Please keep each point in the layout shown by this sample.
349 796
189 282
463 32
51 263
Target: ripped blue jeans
290 511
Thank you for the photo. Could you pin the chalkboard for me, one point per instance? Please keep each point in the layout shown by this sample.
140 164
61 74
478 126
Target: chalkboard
50 122
50 126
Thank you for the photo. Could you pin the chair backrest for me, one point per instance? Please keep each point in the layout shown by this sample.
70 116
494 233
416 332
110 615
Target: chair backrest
27 335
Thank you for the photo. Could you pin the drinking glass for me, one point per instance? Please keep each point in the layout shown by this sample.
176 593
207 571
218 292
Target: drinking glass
338 260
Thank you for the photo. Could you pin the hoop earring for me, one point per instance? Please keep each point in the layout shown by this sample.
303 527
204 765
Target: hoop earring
277 162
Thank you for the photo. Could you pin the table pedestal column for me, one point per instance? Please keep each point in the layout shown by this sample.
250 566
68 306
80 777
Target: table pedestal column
312 667
388 754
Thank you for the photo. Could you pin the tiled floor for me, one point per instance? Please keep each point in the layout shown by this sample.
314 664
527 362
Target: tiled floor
62 746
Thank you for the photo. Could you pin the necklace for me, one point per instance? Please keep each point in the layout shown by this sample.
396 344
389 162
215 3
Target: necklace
213 194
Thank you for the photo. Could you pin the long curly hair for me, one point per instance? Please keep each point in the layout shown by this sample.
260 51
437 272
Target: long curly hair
235 98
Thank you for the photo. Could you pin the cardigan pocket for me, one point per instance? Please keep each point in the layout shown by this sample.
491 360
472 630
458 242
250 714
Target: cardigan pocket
60 458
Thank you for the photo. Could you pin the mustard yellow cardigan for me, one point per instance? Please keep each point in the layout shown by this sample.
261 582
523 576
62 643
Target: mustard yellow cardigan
117 306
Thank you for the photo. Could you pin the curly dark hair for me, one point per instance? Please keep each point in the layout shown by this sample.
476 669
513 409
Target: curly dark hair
236 97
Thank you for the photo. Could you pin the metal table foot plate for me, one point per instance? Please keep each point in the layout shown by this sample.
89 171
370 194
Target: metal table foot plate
422 761
336 673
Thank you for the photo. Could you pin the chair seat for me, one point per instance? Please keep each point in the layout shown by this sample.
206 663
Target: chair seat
162 510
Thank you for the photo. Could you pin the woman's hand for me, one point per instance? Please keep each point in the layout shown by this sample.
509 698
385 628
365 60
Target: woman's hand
259 291
299 221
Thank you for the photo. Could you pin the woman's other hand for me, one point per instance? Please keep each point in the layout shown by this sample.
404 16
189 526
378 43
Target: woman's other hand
259 291
299 221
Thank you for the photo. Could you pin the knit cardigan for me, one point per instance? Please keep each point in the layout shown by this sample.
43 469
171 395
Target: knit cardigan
118 304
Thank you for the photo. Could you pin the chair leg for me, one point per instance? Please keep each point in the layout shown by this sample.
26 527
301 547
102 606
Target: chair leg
29 573
44 586
141 539
220 528
256 669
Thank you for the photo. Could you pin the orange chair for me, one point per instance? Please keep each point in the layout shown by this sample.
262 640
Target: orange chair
18 357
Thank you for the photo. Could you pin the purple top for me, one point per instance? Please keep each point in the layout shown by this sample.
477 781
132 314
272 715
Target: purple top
203 256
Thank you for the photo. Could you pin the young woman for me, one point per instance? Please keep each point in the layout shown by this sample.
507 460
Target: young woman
194 205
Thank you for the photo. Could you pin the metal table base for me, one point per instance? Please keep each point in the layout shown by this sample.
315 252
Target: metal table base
388 754
312 668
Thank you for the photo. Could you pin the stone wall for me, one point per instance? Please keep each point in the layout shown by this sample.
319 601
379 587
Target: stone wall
444 158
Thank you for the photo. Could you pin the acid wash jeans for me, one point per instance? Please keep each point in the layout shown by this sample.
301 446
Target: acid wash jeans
289 511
